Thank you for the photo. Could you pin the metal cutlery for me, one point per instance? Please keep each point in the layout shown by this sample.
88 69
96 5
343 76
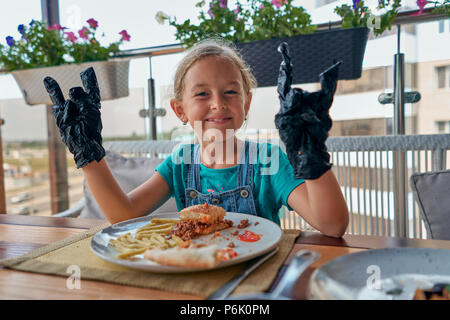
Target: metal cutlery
282 291
224 291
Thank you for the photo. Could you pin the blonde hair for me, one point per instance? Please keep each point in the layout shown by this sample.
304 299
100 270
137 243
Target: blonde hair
212 47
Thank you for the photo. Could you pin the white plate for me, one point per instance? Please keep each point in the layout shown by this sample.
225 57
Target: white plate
270 231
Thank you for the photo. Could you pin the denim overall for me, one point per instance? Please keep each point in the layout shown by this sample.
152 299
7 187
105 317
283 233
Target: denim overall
239 199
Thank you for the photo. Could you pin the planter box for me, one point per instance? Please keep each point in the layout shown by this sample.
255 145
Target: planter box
311 55
112 77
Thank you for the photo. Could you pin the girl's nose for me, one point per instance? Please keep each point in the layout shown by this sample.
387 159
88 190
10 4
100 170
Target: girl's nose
218 102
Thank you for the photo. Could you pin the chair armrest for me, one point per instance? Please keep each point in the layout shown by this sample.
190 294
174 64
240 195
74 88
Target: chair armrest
72 212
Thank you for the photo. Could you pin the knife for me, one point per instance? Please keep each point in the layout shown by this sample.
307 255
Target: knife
228 287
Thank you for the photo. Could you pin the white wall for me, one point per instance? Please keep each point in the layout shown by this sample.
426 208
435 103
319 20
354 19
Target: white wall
432 45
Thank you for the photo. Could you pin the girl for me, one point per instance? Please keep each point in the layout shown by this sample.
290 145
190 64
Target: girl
213 92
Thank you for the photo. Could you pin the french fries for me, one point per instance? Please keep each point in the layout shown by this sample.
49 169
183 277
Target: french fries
150 236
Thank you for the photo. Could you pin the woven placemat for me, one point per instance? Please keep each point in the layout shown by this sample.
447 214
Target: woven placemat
56 258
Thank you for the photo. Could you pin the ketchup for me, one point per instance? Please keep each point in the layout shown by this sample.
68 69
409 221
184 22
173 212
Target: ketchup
249 236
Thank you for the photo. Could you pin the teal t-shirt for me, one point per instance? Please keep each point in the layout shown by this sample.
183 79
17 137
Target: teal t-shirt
273 178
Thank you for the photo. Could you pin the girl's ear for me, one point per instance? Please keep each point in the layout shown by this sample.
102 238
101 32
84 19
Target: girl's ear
178 109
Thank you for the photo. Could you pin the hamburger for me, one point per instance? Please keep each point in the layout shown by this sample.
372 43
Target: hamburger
200 220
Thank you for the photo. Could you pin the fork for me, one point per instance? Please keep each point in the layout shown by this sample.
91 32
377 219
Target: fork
283 289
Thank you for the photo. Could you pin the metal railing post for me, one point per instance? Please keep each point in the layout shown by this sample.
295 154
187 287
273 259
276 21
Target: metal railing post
2 175
151 112
151 124
399 164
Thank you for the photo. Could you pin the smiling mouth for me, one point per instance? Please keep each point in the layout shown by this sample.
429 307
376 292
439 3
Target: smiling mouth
219 120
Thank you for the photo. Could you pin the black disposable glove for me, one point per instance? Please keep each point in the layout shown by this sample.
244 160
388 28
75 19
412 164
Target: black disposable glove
303 121
78 118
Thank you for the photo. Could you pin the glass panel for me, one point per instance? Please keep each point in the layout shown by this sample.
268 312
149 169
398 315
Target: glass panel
356 110
23 134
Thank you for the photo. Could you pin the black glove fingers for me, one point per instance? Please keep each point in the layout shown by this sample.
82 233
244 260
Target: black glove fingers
285 74
81 99
54 91
303 121
328 79
90 84
78 118
309 117
78 95
71 113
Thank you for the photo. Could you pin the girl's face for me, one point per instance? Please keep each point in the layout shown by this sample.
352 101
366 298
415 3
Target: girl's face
213 98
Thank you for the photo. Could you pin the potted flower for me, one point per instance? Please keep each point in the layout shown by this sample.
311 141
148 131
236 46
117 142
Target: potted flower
359 15
259 26
439 7
60 53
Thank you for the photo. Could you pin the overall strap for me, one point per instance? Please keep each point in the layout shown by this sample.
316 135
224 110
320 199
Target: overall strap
245 171
194 169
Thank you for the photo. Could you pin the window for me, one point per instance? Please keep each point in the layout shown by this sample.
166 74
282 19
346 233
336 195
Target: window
443 73
443 127
441 26
440 126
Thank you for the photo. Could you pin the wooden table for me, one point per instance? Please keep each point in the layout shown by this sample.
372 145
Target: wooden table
21 234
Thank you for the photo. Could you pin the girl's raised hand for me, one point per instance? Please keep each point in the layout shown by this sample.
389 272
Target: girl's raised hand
78 118
303 121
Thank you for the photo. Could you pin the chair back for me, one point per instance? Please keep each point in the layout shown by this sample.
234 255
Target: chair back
432 194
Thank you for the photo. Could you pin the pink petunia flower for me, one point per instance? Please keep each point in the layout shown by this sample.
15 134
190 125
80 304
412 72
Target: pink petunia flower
92 23
71 36
211 14
421 4
237 10
279 3
55 27
223 3
83 33
125 35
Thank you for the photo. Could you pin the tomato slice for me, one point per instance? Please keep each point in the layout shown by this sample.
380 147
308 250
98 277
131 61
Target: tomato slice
249 236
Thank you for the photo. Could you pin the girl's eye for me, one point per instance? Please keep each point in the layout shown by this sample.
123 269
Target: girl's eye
230 92
201 94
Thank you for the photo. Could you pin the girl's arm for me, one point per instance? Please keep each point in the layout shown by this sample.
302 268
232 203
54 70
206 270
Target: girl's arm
321 203
115 204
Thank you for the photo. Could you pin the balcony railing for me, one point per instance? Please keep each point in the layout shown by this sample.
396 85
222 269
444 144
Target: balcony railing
364 167
377 190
